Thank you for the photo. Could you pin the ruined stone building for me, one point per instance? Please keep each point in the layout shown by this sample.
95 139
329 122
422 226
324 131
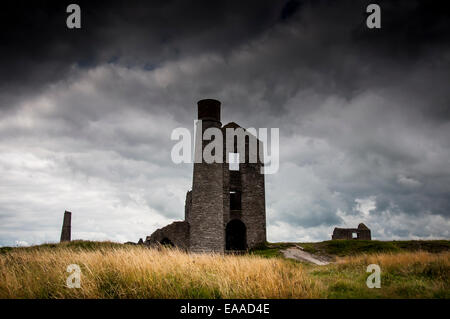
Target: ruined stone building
225 210
361 233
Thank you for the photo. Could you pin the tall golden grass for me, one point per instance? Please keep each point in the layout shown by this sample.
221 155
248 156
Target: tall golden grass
135 272
408 262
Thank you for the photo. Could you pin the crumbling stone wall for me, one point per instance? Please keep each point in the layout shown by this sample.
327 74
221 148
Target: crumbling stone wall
188 206
176 233
362 233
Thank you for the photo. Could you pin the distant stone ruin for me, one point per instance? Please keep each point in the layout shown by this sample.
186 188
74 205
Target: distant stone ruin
361 233
66 227
225 211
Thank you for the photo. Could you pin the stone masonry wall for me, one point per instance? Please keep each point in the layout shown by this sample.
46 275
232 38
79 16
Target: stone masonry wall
252 188
177 233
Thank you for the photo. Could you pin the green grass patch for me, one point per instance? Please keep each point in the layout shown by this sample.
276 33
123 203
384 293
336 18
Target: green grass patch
270 250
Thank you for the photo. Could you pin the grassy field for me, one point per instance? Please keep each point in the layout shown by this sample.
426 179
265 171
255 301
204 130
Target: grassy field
111 270
343 248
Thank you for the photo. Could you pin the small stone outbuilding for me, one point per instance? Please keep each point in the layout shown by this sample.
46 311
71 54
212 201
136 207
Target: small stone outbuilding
361 233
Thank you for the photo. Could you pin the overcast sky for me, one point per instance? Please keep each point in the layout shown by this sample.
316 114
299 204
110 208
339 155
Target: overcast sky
86 115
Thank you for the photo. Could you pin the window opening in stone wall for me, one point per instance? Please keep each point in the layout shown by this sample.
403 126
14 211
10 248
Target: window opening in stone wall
235 200
234 161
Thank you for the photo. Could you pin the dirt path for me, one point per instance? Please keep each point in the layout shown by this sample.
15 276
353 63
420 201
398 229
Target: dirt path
298 253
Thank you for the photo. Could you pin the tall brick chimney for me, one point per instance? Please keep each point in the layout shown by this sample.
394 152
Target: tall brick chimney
66 227
206 216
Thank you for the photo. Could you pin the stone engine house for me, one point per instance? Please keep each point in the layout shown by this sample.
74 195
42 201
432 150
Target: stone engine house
225 210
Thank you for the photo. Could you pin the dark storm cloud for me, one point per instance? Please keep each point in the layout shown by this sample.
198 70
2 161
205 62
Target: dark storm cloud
364 115
38 48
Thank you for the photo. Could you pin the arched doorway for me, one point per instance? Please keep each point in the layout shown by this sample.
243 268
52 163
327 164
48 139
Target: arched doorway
236 235
166 242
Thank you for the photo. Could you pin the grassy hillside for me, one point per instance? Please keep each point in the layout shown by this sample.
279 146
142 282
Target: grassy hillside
356 247
75 245
111 270
341 248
